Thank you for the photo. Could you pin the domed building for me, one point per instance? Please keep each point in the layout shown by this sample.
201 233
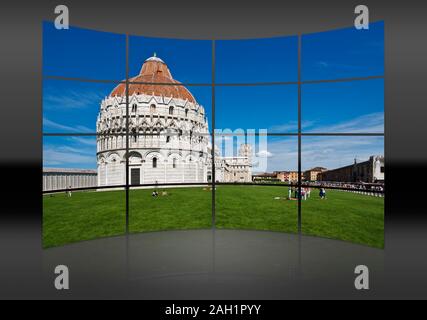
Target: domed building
175 147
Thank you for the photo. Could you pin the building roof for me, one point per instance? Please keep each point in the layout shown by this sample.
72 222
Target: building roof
318 169
285 172
356 163
264 174
66 170
153 72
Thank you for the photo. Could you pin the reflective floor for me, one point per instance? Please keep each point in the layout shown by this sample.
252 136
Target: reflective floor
213 264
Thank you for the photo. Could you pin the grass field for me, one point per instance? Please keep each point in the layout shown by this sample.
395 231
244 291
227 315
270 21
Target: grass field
89 215
346 216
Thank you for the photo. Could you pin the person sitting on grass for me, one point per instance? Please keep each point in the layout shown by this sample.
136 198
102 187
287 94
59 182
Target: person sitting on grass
164 193
155 193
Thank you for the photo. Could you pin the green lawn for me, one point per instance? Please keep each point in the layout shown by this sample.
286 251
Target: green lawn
89 215
84 216
254 207
344 215
181 208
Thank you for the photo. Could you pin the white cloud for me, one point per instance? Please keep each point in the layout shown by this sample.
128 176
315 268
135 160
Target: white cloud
290 126
69 156
372 122
58 126
264 154
71 99
322 64
86 141
55 157
338 66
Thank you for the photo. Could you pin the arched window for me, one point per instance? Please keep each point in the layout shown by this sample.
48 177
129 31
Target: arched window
168 139
170 110
154 162
153 108
134 108
174 163
186 113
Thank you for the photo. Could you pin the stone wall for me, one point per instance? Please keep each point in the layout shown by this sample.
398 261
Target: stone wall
60 179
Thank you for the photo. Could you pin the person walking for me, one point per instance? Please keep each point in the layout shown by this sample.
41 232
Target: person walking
304 193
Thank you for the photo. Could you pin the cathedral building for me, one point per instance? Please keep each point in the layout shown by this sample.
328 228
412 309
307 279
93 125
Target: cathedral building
235 169
169 138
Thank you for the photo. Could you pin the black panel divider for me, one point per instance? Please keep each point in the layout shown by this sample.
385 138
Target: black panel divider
256 134
299 135
213 137
199 184
127 134
193 84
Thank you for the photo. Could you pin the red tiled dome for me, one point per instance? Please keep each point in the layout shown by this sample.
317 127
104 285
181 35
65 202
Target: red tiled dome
154 70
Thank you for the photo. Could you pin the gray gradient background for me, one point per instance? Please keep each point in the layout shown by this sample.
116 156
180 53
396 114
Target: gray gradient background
213 264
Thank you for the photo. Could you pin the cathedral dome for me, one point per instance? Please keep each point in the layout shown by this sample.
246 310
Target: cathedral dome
154 72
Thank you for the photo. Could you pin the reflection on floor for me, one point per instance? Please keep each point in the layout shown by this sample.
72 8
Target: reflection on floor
212 264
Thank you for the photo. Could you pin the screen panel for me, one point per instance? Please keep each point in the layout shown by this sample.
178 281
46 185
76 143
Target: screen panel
268 166
342 195
73 208
343 53
257 60
74 106
343 107
273 108
83 53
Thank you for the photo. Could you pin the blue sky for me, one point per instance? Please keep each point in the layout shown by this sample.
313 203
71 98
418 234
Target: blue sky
358 106
82 53
74 152
343 53
257 60
72 106
334 152
260 107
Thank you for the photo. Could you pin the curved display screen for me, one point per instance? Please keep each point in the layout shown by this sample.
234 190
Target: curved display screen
149 134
